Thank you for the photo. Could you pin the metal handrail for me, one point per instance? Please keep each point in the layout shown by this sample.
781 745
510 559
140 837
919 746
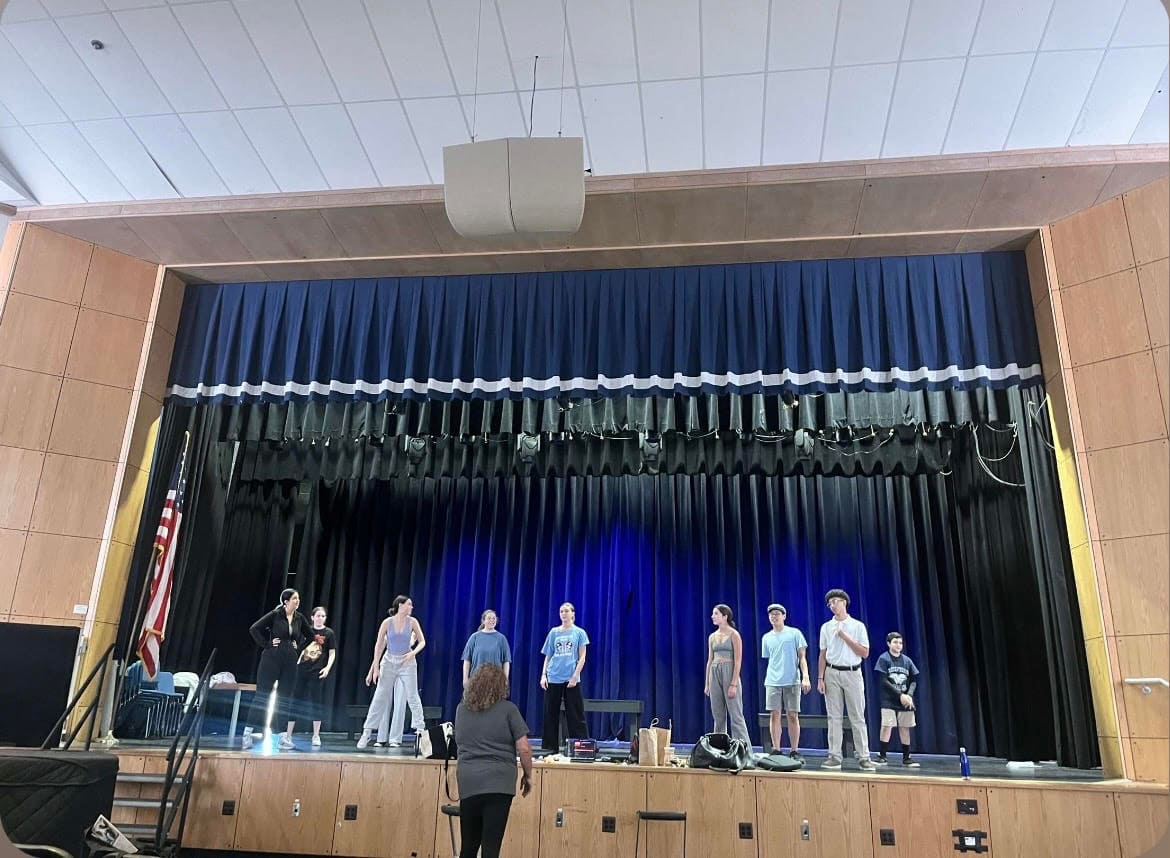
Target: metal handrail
99 669
1146 682
190 728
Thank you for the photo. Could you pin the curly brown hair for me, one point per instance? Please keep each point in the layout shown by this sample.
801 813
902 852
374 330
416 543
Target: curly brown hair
487 687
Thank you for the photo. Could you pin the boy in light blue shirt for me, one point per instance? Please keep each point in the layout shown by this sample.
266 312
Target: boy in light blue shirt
784 648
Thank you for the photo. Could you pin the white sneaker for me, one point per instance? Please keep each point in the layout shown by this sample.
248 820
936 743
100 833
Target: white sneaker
286 742
364 741
246 741
393 744
316 741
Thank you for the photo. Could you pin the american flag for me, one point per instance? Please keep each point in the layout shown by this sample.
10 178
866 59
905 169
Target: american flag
166 541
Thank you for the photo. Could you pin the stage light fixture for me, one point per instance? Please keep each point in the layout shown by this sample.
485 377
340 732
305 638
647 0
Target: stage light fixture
651 448
803 441
527 446
416 448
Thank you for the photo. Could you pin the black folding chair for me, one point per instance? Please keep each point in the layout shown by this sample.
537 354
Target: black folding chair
659 816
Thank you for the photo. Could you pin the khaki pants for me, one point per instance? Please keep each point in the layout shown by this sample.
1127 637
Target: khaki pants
845 689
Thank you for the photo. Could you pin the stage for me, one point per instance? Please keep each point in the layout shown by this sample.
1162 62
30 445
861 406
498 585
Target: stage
381 802
337 745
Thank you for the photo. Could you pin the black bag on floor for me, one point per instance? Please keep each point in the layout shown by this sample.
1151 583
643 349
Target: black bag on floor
779 763
720 751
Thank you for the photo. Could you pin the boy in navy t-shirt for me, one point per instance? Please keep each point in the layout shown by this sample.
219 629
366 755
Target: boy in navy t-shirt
898 683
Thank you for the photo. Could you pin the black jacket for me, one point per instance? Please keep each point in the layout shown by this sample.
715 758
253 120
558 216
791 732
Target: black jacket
274 624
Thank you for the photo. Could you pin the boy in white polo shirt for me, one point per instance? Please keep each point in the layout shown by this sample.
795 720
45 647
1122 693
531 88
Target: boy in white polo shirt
784 649
844 644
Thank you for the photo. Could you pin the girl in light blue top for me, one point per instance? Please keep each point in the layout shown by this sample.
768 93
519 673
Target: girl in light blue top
564 659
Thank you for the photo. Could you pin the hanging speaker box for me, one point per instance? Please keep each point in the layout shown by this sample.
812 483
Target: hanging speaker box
516 185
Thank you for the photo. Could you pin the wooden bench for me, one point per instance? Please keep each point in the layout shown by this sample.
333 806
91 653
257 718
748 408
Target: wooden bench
807 722
356 713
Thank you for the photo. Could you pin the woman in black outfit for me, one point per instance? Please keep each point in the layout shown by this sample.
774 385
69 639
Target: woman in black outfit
281 634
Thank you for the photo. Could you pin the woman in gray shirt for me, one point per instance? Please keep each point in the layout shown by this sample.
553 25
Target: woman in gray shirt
490 733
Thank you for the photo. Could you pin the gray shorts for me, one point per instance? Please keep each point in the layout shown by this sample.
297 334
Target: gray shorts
783 697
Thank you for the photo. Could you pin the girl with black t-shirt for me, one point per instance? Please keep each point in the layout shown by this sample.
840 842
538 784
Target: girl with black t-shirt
313 668
281 634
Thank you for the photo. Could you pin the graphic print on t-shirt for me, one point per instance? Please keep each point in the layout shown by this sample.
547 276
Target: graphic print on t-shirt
563 645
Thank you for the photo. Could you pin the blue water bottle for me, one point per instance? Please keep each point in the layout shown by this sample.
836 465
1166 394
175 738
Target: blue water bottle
964 764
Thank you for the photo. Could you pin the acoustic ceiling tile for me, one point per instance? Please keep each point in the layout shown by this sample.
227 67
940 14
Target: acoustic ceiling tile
1009 25
1081 24
601 38
859 100
346 40
411 45
1121 91
613 118
178 155
794 116
437 122
1143 22
279 144
57 66
991 90
116 67
940 28
230 151
22 93
389 141
474 43
537 30
127 158
35 169
289 53
167 53
228 54
924 97
667 38
870 32
733 115
1056 90
734 36
674 132
76 159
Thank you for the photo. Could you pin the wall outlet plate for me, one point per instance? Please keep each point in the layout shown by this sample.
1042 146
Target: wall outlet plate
608 825
886 837
229 808
745 831
350 812
967 806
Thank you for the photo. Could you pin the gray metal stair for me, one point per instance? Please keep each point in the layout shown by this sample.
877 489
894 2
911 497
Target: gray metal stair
144 803
159 779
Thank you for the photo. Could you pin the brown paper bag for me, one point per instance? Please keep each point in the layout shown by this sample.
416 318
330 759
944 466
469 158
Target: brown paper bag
662 741
648 746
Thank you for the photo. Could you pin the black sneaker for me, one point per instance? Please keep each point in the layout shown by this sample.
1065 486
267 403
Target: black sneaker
910 764
880 760
796 756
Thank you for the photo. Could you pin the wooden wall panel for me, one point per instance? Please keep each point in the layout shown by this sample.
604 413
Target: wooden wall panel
1130 491
1147 211
1138 587
51 265
1104 318
395 810
1154 278
1142 822
266 822
715 804
1126 408
585 797
1039 823
922 817
837 812
27 402
217 779
1091 244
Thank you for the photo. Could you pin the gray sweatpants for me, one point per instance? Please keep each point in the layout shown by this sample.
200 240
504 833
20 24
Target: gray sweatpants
397 687
723 706
846 689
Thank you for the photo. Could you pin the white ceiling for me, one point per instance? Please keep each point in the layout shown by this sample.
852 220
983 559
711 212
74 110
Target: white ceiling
262 96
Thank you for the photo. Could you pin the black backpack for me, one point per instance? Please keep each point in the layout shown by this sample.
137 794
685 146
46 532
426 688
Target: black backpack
779 763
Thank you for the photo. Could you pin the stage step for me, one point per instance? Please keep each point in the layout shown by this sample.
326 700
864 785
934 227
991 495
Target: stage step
144 803
132 778
139 831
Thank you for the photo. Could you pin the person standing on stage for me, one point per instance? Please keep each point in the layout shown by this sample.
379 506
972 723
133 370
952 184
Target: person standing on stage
899 681
486 646
564 659
784 648
313 668
395 671
281 633
844 644
724 660
491 734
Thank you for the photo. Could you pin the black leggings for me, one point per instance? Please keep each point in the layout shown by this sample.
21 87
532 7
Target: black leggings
482 820
574 714
276 664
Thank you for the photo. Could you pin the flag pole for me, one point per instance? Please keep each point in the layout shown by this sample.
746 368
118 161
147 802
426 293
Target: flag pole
135 631
146 590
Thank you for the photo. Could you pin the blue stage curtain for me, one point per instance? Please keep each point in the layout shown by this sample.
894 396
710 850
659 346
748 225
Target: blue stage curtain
944 559
915 323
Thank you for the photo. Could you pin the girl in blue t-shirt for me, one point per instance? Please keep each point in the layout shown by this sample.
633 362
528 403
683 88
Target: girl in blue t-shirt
564 659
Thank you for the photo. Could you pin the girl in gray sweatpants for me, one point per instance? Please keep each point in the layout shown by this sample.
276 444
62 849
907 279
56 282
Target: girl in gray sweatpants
724 657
